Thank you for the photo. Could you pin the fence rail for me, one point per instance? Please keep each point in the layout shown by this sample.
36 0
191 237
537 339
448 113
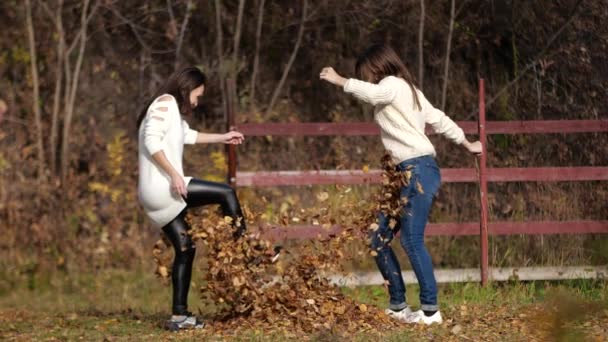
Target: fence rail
310 231
454 175
469 127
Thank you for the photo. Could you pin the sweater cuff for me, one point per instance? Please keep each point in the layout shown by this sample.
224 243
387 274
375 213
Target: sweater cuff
190 137
348 86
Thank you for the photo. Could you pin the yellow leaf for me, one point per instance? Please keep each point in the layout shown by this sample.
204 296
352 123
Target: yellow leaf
163 272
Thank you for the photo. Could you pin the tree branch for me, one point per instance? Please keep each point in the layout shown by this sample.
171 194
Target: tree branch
530 65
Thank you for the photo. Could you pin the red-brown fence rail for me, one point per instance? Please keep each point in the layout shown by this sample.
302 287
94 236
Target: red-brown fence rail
483 175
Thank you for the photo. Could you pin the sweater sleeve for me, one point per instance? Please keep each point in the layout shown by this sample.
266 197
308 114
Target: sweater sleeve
381 93
440 122
156 125
189 134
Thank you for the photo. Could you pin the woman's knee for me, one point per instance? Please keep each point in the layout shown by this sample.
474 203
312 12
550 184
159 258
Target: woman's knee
230 193
185 254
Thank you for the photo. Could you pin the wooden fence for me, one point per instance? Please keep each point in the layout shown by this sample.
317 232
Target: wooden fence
483 175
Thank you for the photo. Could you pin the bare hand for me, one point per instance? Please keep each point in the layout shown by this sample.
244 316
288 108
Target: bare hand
178 186
233 138
473 147
330 75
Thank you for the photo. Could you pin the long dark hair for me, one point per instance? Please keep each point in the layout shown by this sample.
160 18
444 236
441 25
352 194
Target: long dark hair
379 61
179 84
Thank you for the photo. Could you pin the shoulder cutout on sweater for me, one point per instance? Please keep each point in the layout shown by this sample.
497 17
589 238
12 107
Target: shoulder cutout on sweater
163 107
165 98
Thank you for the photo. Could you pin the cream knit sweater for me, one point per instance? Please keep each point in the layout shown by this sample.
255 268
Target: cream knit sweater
162 129
401 123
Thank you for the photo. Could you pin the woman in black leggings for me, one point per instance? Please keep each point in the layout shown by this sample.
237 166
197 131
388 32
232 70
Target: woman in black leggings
164 191
199 193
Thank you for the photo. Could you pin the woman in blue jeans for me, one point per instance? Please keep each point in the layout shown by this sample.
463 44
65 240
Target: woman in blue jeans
402 111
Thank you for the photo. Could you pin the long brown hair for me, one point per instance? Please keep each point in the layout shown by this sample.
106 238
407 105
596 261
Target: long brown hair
379 61
179 84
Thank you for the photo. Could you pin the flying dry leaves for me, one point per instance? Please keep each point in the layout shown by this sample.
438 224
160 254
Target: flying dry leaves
293 294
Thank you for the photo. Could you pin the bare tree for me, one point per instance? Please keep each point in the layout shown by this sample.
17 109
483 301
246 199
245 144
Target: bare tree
72 85
36 86
277 90
220 55
57 18
256 59
182 33
421 47
66 77
237 39
447 55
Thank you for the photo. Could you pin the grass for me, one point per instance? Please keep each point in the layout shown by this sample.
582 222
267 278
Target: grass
116 305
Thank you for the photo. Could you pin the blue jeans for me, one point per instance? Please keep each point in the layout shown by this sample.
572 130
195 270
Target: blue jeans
414 216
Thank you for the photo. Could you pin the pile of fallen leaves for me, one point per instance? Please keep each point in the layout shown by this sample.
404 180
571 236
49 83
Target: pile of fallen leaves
249 291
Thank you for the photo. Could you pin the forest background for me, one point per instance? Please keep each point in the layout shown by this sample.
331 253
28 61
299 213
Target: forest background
75 74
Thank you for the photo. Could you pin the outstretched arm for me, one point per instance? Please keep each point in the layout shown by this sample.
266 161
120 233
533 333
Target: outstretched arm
194 137
232 138
375 94
442 124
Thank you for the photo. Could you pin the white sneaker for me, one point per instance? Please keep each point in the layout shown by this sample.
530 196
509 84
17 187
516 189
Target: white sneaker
399 315
420 317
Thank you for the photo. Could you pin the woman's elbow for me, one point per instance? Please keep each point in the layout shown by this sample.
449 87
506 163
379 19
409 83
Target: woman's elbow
152 145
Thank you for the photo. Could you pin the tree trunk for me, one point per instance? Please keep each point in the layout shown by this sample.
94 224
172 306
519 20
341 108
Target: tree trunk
237 39
58 87
182 33
421 47
447 55
220 55
72 89
256 58
36 90
279 87
235 50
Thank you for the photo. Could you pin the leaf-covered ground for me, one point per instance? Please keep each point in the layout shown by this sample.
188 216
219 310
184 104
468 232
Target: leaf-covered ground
244 296
131 306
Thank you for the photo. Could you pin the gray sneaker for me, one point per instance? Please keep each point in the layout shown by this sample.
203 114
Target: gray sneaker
184 322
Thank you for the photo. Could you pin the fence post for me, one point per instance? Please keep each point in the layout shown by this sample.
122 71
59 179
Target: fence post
483 185
230 125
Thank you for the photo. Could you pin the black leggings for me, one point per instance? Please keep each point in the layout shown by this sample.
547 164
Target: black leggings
199 193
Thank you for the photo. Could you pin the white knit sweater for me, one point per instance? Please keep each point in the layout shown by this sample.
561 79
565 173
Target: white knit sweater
162 129
401 123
